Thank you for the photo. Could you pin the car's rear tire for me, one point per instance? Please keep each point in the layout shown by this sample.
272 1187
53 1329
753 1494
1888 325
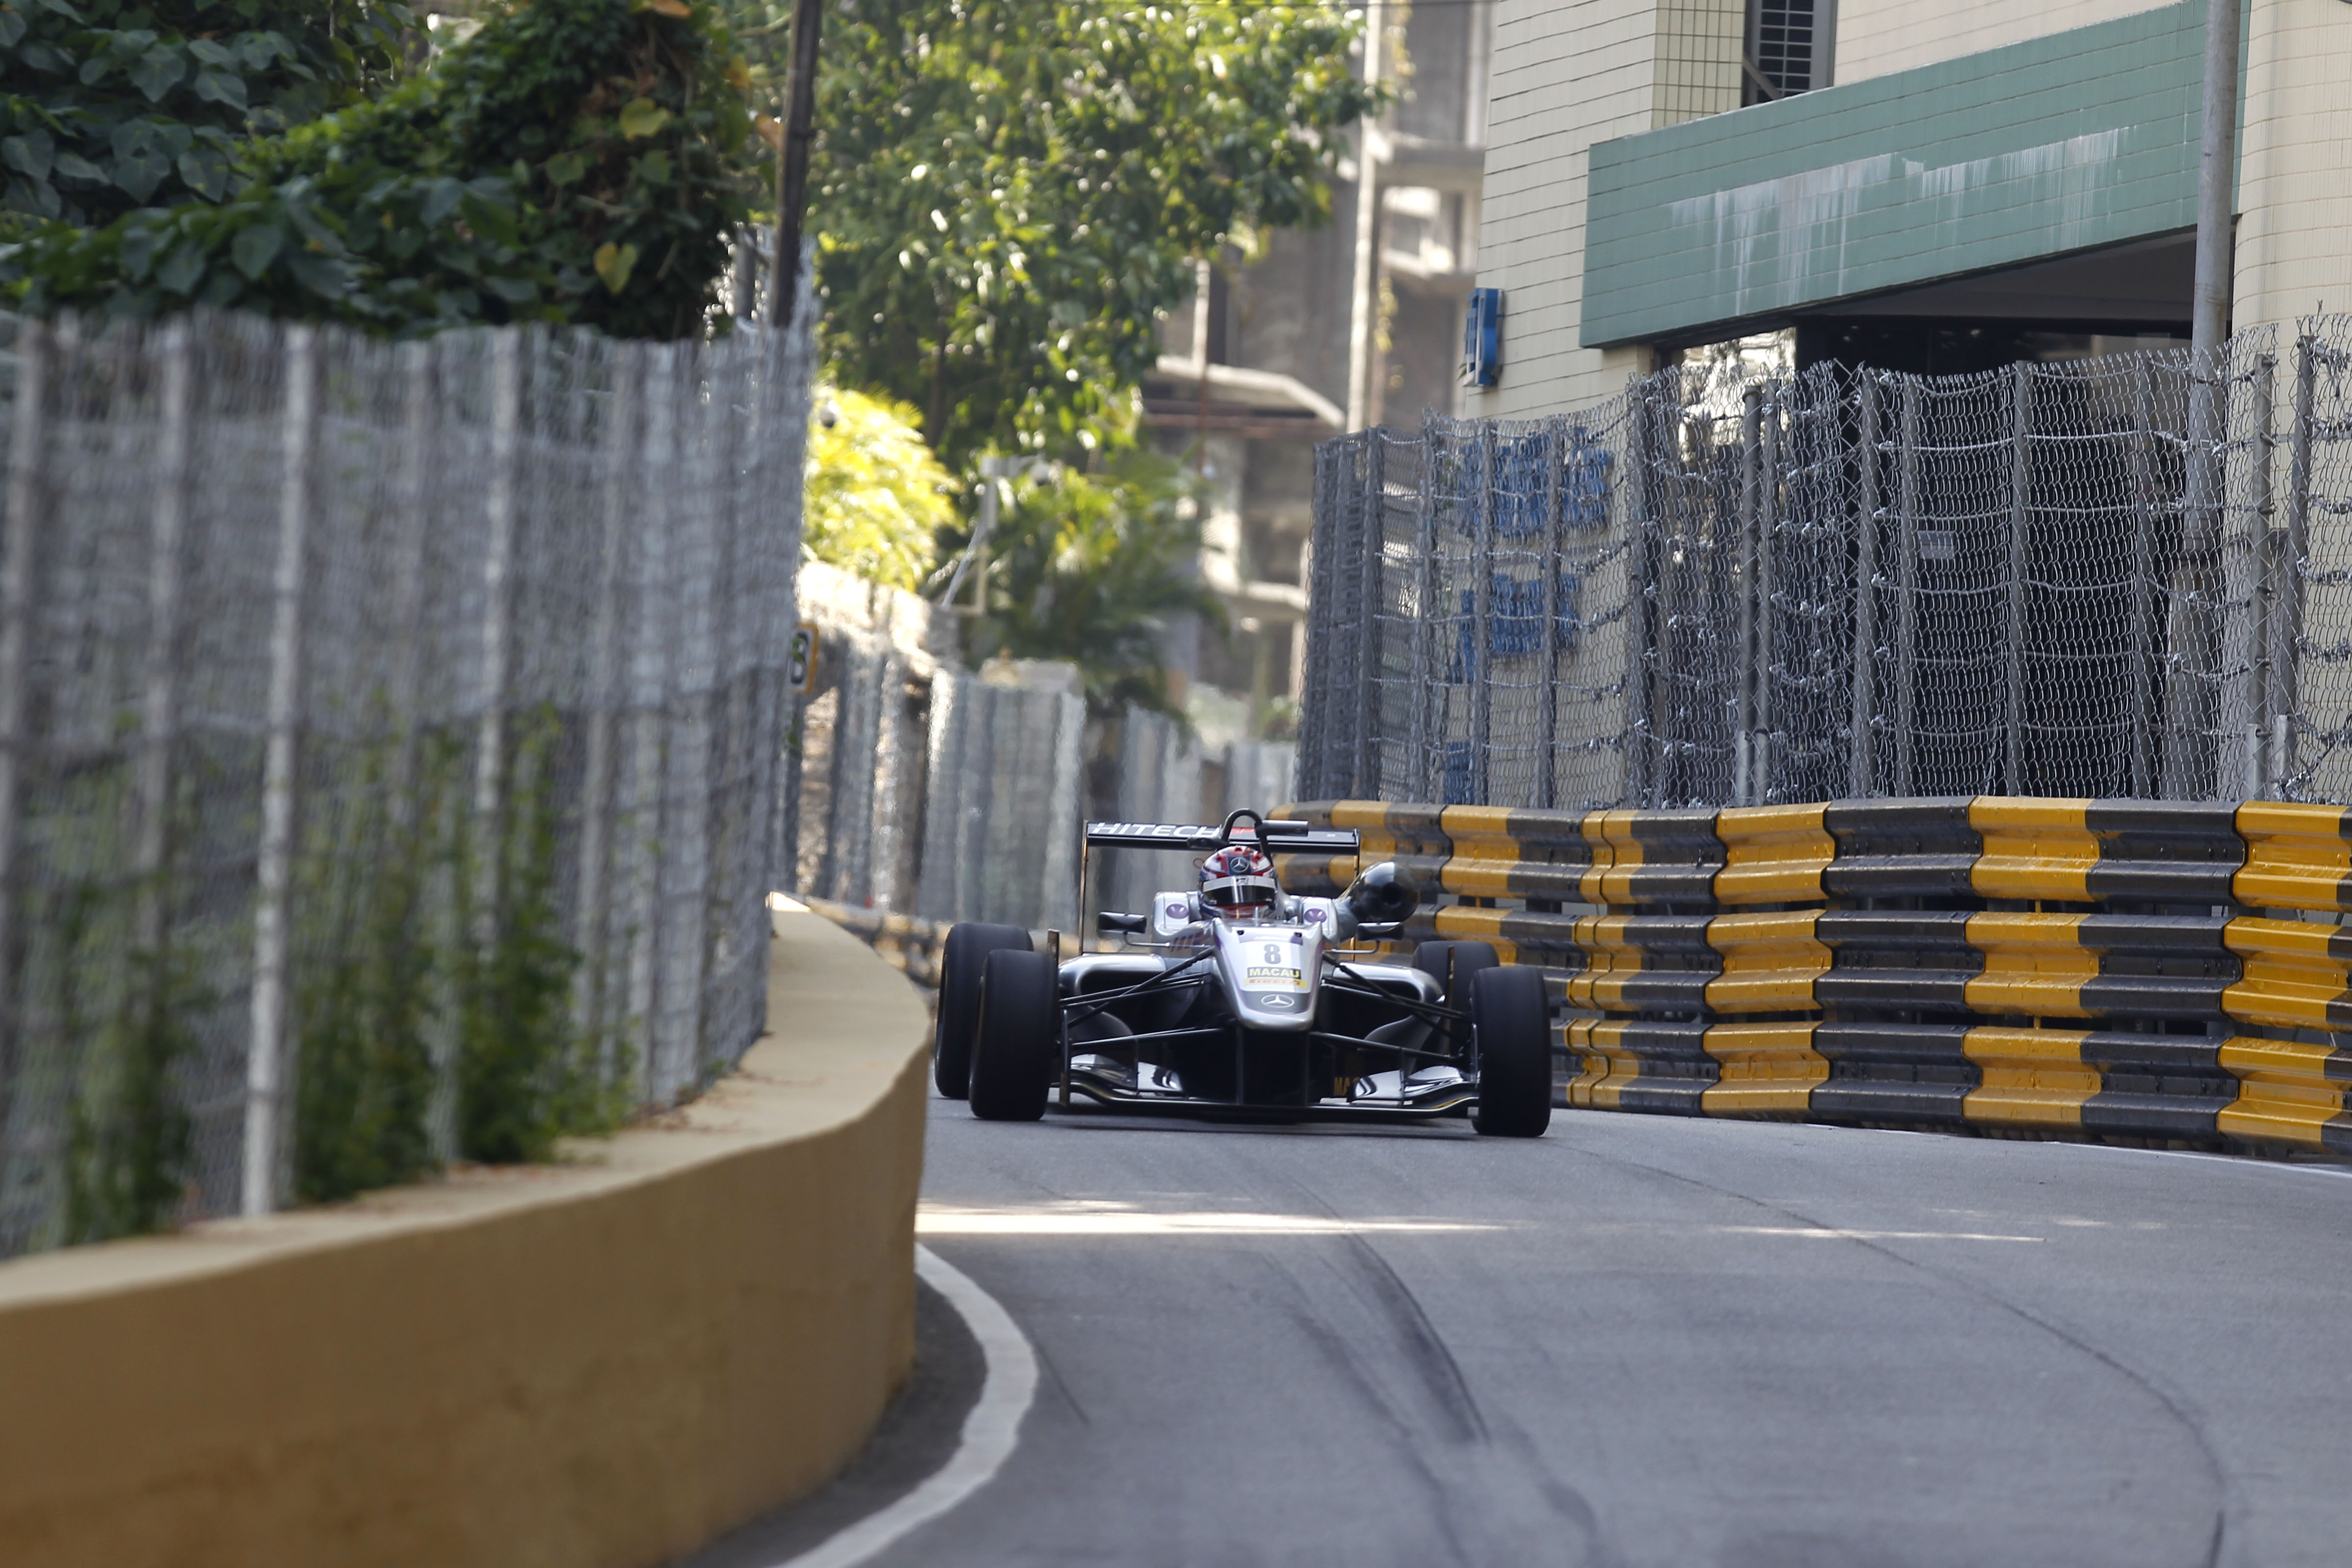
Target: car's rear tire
1017 1049
961 957
1453 963
1511 1018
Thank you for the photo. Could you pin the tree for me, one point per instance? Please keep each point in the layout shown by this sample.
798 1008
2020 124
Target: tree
1094 568
110 105
875 497
575 160
1008 194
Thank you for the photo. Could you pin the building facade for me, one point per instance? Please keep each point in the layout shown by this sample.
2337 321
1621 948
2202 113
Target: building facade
1917 187
1317 331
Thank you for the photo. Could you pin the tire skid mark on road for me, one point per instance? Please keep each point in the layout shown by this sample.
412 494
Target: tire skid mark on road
1430 1355
1476 1463
2174 1405
1439 1371
1335 1348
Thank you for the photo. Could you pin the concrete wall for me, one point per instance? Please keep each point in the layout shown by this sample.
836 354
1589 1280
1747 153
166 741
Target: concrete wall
2295 163
1876 37
593 1365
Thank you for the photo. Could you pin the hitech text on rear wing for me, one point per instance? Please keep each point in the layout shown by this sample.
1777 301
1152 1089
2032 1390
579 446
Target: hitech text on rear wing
1286 837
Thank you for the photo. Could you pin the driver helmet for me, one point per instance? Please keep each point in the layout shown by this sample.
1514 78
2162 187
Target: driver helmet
1238 880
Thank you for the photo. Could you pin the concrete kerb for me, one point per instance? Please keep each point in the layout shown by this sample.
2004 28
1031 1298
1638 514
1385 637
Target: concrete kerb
598 1365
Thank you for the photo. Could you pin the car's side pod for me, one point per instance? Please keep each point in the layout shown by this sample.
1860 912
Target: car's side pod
1381 896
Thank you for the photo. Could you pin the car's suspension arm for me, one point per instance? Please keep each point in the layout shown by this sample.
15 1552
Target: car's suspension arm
1384 1046
1163 981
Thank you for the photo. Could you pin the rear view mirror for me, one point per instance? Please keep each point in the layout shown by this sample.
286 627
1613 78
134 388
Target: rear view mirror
1112 924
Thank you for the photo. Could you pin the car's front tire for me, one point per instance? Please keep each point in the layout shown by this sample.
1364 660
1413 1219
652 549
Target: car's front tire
1455 964
961 957
1016 1050
1511 1018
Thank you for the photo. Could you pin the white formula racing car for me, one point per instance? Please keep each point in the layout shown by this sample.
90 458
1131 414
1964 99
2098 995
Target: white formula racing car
1238 998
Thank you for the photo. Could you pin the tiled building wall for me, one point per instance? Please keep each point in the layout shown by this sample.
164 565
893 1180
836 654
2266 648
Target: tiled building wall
1565 76
1877 36
2295 163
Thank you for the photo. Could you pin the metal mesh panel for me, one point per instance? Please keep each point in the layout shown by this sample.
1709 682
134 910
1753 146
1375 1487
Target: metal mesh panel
2119 576
317 655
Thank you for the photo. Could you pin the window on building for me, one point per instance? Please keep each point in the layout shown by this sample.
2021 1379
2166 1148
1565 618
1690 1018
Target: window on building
1789 47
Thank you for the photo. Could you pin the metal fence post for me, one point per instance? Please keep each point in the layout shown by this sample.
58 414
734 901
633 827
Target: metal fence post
159 706
2286 607
2246 603
2020 503
1773 410
1640 530
2143 583
649 697
1907 609
411 485
1555 445
1743 654
497 613
1370 537
264 1065
28 524
626 364
1063 818
1862 778
686 829
1480 666
1428 692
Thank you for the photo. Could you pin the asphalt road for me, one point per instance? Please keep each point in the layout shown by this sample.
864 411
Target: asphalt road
1650 1340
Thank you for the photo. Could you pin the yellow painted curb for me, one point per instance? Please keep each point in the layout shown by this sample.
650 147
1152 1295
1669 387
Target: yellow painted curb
604 1363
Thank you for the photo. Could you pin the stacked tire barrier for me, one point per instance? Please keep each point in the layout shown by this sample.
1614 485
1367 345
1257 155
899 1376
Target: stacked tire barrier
2150 971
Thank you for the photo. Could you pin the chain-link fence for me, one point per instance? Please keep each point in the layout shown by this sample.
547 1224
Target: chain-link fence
2110 576
926 789
390 749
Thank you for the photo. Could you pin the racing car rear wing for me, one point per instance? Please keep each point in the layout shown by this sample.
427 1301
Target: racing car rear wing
1289 836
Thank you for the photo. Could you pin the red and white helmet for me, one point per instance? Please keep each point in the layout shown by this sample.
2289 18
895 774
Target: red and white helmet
1239 879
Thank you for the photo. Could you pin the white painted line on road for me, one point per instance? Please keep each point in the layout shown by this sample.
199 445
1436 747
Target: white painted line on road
2338 1172
990 1431
1866 1234
1085 1218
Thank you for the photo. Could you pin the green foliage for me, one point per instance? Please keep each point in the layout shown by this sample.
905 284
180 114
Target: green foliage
875 497
1008 194
365 1013
1092 568
127 1141
524 1079
570 162
104 1009
108 105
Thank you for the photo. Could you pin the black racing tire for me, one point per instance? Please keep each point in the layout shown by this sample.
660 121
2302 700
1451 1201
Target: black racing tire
961 957
1458 962
1016 1050
1511 1018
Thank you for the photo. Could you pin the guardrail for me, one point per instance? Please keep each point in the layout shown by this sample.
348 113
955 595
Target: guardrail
2156 971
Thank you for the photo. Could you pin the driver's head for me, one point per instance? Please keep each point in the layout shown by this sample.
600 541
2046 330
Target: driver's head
1237 881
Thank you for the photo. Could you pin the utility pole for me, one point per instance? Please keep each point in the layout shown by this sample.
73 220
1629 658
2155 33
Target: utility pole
2198 571
2216 274
2217 172
1363 296
792 160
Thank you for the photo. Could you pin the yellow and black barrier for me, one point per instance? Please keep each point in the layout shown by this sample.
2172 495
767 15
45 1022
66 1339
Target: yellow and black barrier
2161 970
